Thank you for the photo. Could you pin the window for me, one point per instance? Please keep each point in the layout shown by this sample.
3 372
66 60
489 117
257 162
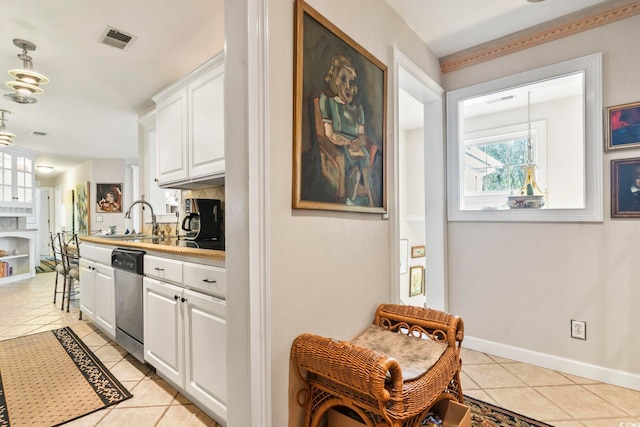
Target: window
494 160
487 144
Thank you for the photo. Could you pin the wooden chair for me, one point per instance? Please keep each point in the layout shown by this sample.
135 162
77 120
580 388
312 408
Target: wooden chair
370 383
70 260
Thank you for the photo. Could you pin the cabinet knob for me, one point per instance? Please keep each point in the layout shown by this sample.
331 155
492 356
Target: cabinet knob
184 300
208 281
176 297
156 179
159 269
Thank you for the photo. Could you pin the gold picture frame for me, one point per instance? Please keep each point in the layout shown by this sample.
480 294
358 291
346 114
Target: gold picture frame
417 251
416 280
622 127
340 108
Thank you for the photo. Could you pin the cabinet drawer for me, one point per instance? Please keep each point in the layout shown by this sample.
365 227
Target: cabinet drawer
207 279
95 253
163 268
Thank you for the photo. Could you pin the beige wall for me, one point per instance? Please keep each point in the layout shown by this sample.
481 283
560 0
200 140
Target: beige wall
519 284
328 270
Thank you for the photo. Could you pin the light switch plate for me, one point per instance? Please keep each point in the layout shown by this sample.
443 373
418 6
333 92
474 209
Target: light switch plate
99 218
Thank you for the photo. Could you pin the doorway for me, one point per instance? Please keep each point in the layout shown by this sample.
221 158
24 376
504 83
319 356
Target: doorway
421 227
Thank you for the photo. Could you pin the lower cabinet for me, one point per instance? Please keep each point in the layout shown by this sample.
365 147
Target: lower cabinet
97 295
185 340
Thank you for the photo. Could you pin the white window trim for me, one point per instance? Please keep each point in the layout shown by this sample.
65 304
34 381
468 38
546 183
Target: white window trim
591 66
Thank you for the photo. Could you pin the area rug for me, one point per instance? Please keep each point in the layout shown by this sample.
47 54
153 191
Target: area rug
47 265
484 414
52 377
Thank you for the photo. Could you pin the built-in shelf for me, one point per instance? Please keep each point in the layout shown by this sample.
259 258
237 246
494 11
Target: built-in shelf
20 266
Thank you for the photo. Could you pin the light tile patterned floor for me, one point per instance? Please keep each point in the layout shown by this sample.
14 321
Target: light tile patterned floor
559 399
27 307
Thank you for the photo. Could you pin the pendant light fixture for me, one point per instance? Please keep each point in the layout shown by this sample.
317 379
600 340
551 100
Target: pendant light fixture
530 195
6 138
27 82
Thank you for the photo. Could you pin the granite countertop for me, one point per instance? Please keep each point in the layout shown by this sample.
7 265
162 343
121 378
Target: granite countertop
167 244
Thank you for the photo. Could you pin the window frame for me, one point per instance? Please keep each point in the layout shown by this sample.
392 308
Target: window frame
591 67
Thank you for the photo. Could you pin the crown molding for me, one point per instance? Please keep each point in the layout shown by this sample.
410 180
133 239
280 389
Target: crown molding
553 30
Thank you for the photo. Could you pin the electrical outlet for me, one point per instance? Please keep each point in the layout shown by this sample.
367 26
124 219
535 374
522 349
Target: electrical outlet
579 329
98 218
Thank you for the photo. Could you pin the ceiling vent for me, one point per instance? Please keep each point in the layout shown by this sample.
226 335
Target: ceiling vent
36 133
116 38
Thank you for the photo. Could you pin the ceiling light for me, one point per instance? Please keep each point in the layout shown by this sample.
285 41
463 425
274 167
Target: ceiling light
27 82
44 168
6 138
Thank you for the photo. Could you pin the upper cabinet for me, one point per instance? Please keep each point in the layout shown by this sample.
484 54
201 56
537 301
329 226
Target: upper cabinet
190 128
17 182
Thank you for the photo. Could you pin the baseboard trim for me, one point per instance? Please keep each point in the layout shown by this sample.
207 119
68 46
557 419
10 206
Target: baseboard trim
549 361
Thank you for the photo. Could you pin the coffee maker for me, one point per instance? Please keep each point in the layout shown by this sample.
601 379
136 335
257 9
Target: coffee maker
203 220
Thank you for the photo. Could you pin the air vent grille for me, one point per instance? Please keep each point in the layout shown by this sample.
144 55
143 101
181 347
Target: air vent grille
116 38
36 133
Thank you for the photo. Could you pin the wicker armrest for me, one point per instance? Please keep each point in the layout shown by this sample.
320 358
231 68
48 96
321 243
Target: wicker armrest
439 325
350 365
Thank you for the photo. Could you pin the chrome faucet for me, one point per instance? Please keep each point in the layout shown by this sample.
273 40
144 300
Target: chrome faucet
154 224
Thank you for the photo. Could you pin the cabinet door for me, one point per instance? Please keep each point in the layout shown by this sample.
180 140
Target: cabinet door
172 135
24 183
163 329
206 351
87 297
206 124
104 293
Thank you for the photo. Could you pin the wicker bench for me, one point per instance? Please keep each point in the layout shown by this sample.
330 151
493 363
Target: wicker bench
371 383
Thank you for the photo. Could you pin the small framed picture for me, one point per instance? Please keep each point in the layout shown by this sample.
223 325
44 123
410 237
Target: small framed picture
623 127
416 280
417 251
108 198
404 254
625 188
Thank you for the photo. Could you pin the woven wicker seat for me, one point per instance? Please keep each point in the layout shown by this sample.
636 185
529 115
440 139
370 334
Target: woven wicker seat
370 383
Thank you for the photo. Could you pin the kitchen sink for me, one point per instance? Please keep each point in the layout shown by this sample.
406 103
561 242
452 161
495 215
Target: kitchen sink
130 236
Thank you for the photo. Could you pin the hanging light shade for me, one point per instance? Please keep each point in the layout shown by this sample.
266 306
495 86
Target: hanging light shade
27 82
529 195
6 138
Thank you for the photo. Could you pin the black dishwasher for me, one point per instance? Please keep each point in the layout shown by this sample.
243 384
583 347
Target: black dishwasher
128 272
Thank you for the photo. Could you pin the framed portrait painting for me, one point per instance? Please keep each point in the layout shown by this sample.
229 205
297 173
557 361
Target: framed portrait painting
625 188
623 127
109 198
340 98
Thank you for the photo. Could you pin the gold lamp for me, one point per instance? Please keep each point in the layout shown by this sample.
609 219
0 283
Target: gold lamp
27 82
529 195
6 138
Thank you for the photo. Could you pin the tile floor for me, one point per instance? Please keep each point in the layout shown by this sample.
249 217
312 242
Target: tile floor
559 399
28 308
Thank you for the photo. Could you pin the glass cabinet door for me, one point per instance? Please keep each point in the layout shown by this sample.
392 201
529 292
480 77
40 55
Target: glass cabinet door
6 172
24 179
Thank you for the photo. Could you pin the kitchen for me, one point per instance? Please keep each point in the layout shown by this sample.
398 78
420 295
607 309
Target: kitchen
184 42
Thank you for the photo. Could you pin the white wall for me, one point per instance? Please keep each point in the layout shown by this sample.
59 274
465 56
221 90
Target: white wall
519 284
100 171
328 270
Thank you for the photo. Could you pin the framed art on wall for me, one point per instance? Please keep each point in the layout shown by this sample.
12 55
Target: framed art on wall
340 98
416 280
109 198
623 126
404 250
417 251
625 188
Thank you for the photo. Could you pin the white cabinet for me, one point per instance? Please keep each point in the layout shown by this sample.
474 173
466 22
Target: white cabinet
17 183
18 261
190 127
185 330
97 288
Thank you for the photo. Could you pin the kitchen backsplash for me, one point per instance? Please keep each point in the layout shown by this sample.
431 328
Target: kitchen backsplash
200 193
